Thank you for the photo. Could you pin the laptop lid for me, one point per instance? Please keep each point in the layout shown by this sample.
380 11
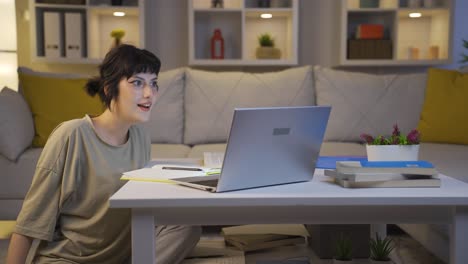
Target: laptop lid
271 146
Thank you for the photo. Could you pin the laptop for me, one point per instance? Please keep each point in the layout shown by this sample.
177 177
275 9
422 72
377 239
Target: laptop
268 146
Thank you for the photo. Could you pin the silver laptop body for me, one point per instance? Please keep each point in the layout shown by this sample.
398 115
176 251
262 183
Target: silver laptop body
270 146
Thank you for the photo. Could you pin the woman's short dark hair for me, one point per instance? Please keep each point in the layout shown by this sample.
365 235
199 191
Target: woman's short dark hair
123 61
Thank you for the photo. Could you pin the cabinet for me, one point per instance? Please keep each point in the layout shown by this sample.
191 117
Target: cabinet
241 24
415 32
79 31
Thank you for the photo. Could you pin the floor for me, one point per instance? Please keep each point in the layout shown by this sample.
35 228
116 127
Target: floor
408 251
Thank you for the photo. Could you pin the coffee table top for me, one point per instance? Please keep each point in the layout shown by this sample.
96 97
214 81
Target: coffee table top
321 191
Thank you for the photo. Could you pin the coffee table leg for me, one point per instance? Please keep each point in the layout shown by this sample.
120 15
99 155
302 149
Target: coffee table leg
143 242
459 236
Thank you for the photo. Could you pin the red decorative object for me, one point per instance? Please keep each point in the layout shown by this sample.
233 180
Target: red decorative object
217 45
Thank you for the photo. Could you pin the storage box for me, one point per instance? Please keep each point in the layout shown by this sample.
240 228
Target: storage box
370 49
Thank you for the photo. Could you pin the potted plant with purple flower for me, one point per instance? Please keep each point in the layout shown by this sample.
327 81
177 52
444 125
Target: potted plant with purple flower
397 147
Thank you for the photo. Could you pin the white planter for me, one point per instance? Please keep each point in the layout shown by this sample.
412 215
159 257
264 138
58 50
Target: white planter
392 152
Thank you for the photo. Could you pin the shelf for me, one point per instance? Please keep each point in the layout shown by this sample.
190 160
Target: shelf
413 41
240 28
207 4
80 34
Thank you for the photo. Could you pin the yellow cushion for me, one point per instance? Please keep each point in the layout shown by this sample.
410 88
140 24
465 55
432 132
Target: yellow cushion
6 229
54 100
445 112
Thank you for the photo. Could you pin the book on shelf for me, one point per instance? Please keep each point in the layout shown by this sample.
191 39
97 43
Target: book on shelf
370 31
402 167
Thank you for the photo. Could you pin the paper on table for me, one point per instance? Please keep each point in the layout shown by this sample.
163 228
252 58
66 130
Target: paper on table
213 159
158 174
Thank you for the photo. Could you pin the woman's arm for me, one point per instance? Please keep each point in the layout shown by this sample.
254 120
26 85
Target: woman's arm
18 249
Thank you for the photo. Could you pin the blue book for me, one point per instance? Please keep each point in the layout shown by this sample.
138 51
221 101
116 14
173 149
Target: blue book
329 162
419 167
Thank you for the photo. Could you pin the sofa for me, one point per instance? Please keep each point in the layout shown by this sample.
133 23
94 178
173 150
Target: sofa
194 111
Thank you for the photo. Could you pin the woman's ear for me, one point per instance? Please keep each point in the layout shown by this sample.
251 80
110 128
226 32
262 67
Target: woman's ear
106 90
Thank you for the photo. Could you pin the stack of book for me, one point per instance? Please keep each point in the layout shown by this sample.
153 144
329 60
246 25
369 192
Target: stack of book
256 237
368 174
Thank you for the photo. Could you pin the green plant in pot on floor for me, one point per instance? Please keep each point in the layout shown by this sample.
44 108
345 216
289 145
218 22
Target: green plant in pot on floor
343 250
380 250
267 48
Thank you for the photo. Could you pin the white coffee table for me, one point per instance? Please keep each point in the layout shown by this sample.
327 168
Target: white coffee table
316 202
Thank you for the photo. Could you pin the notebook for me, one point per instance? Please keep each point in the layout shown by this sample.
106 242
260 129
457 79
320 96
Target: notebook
268 146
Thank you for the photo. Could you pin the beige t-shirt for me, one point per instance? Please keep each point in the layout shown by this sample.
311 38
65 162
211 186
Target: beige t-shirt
67 205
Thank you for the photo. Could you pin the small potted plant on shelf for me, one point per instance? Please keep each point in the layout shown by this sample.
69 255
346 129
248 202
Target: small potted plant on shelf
397 147
343 250
380 250
464 60
267 48
117 34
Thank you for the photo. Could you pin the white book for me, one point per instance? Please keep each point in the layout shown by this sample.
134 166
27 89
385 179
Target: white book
376 176
432 181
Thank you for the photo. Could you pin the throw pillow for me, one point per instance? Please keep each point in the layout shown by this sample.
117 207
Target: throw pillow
55 99
369 103
210 98
166 124
16 124
444 113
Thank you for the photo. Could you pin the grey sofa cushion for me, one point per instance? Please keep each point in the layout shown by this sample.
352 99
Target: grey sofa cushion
16 124
166 124
17 176
169 151
210 98
369 103
198 150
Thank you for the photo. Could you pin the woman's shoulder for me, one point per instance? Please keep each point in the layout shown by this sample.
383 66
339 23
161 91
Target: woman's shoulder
70 127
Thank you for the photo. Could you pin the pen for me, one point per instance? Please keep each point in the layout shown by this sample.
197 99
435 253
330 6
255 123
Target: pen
182 168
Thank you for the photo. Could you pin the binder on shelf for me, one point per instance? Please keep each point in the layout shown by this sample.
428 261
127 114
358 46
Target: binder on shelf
52 43
74 35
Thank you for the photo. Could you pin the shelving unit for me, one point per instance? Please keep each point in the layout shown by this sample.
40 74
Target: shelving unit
424 40
240 24
78 31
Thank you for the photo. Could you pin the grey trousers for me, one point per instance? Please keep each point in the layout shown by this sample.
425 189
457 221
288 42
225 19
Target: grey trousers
174 243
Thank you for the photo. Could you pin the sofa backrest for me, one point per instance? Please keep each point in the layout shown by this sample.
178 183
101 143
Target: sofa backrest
210 98
166 124
369 103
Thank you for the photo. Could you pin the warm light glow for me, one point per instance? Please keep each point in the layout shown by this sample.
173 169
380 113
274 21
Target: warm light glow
120 14
414 15
266 15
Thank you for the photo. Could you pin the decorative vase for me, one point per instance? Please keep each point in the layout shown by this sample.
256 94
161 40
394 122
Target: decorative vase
392 152
268 53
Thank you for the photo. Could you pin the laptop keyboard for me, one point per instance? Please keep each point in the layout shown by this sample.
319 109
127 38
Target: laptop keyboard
210 183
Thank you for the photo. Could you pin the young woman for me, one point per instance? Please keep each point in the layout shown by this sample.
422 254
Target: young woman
67 206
